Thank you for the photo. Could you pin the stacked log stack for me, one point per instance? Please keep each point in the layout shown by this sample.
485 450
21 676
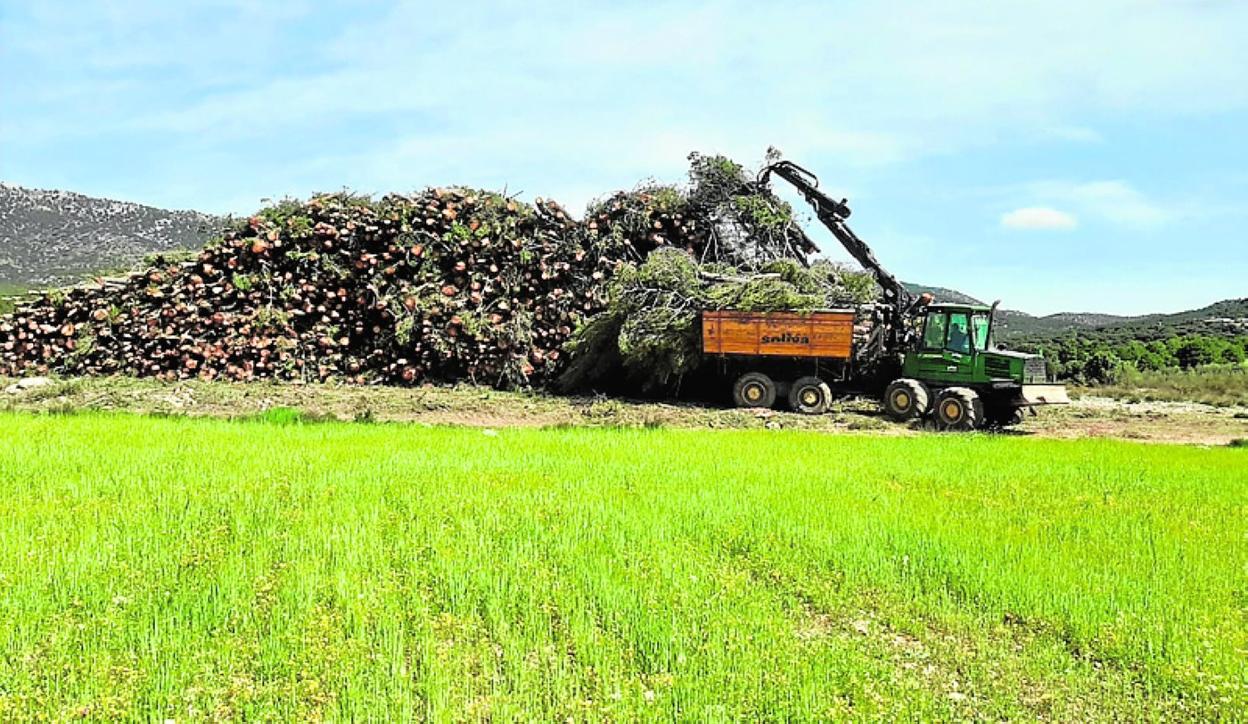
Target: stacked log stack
447 284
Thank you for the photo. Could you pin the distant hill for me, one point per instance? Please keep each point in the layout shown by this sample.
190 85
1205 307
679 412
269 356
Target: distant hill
54 237
941 293
1225 318
1014 323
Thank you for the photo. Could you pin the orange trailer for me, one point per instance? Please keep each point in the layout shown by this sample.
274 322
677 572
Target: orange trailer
827 334
774 341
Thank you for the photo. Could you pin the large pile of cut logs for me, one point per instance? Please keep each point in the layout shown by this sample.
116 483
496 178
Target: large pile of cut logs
447 284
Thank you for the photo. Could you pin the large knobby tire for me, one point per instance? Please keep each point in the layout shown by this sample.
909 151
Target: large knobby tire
959 408
906 399
754 389
810 396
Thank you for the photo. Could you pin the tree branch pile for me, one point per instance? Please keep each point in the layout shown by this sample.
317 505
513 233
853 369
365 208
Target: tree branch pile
722 216
649 333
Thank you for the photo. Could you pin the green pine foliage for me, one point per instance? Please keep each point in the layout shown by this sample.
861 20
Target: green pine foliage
650 334
1189 368
1094 361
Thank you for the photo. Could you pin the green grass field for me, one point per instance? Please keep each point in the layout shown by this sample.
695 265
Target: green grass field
156 568
9 294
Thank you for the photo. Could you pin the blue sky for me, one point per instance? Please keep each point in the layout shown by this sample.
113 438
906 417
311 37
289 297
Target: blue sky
1058 155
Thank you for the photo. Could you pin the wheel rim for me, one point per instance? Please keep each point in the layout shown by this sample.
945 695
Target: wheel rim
952 410
810 397
901 400
754 392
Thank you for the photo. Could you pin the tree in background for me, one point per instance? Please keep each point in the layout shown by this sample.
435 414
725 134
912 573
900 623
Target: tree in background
1193 352
1103 367
1147 357
1093 358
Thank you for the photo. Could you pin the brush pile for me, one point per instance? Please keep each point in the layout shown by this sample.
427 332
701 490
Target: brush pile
444 285
648 335
723 216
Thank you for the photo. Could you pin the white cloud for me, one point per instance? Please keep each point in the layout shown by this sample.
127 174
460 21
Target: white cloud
900 79
1113 201
1120 203
549 94
1038 217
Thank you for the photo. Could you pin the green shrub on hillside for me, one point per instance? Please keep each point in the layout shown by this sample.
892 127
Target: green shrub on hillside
1221 385
1085 360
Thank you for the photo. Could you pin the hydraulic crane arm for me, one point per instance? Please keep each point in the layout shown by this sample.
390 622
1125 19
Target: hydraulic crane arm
833 214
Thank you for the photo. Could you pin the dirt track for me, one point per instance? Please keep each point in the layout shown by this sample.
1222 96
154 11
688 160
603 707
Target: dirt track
1188 423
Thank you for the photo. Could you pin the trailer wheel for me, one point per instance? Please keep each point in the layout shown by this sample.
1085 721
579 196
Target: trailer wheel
754 389
810 396
959 408
906 399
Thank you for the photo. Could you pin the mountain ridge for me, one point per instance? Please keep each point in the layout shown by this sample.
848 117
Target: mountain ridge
1222 318
53 237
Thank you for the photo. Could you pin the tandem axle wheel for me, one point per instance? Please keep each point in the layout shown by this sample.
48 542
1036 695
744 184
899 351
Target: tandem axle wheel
808 395
754 389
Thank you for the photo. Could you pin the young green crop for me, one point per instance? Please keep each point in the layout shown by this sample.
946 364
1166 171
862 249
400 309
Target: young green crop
188 569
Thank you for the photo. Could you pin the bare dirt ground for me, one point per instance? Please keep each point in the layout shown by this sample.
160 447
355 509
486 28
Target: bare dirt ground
1168 422
1172 422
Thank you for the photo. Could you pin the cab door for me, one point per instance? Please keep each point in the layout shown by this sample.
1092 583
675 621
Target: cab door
945 353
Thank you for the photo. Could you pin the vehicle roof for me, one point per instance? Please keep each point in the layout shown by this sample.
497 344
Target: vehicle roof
948 306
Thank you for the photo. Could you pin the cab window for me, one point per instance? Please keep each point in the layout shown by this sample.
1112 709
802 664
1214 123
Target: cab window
959 339
934 331
979 331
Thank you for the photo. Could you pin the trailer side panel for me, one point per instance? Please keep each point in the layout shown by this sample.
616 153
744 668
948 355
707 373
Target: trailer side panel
778 334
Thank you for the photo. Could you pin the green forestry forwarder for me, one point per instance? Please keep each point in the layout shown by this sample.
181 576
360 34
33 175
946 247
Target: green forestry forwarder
931 360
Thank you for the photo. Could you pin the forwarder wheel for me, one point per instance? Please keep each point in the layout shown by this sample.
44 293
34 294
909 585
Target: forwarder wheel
906 399
810 396
959 408
754 389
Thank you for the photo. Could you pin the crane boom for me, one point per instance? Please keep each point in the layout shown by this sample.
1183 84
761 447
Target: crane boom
833 214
